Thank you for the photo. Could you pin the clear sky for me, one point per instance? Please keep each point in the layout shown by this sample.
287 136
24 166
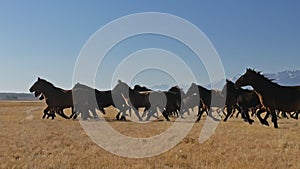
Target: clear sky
44 38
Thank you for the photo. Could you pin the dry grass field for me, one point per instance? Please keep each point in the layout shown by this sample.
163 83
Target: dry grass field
27 141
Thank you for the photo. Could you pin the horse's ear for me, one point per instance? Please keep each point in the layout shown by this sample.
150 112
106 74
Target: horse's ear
39 78
119 81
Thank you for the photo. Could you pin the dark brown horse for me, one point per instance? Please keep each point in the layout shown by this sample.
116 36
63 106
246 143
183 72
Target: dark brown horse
206 97
94 99
242 99
52 112
180 94
56 98
124 95
272 96
151 101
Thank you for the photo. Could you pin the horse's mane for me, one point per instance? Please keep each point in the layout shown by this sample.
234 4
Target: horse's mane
51 85
261 76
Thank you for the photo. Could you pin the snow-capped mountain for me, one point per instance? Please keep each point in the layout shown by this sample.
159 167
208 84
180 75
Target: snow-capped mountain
286 77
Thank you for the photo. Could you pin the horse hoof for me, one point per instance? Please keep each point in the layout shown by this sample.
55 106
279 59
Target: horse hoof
265 123
123 118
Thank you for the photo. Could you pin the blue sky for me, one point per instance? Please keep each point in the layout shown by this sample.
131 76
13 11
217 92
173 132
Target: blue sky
44 38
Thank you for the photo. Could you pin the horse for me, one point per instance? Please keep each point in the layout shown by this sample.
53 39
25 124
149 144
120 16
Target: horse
132 98
182 105
103 99
84 100
170 108
243 98
151 100
272 96
56 98
52 112
206 96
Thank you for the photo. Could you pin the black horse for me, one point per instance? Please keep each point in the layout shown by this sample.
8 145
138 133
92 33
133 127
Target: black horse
94 99
206 97
151 100
56 98
242 99
272 96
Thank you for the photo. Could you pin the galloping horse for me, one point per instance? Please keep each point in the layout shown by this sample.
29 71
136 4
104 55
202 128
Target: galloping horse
206 97
164 101
180 93
56 98
243 98
134 99
103 99
272 96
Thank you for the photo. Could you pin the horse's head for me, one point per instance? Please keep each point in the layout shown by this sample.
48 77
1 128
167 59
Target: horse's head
245 79
192 89
177 89
228 87
36 88
39 87
81 86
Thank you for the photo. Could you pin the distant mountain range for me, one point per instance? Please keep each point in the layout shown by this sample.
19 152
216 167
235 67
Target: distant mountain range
17 96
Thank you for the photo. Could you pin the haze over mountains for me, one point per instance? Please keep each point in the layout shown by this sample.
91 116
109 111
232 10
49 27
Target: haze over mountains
288 78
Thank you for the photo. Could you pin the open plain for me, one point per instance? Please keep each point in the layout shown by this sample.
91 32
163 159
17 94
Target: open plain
27 141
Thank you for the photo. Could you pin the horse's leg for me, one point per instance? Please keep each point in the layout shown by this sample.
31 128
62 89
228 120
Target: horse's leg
253 111
46 112
95 115
183 109
101 108
84 113
166 115
262 121
199 115
239 112
145 111
118 115
229 112
284 115
137 113
51 114
62 114
234 109
149 113
123 113
247 116
73 113
296 114
274 117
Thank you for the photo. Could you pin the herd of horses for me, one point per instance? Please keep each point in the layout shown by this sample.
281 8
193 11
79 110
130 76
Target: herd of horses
266 97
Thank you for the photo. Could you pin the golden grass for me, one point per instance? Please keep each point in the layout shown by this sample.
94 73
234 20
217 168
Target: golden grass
27 141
